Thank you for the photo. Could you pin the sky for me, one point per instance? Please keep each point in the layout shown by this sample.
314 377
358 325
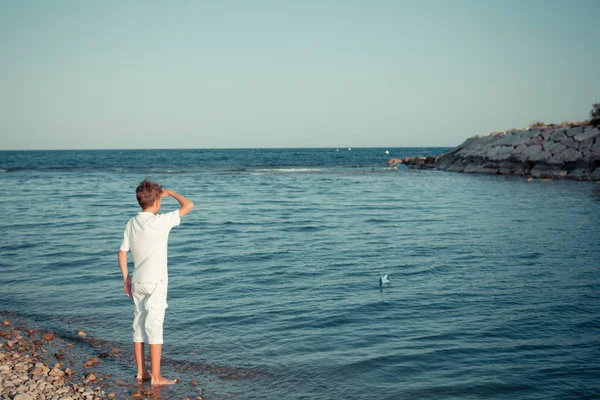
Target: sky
312 73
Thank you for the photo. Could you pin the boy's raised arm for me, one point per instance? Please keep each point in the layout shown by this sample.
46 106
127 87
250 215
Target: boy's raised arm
186 204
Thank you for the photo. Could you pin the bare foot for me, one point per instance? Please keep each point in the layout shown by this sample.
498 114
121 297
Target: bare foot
163 381
145 377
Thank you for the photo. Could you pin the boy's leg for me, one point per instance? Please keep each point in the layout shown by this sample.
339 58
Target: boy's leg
157 303
155 354
139 321
138 350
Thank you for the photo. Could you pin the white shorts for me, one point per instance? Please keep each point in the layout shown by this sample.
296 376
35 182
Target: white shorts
150 300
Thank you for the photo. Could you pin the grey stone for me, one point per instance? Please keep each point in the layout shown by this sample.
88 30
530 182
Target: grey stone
541 156
519 149
588 133
554 161
485 138
547 171
568 155
505 156
531 133
570 142
472 167
457 166
505 149
579 172
589 157
512 168
493 151
546 133
537 140
531 150
506 139
547 144
586 145
595 174
570 132
556 148
466 143
522 158
522 137
444 161
517 141
558 136
486 170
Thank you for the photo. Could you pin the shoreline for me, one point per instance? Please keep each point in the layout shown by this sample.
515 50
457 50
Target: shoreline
37 364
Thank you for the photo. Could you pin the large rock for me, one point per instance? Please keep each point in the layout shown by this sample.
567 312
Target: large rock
570 142
493 151
444 161
546 133
480 169
519 149
588 133
457 166
586 145
541 156
558 136
570 132
507 139
596 148
556 148
547 171
568 155
531 150
547 144
521 137
512 168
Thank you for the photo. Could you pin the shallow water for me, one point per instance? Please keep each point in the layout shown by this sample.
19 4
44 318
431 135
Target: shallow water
274 276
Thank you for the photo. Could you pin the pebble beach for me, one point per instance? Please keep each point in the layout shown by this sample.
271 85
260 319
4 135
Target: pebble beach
40 365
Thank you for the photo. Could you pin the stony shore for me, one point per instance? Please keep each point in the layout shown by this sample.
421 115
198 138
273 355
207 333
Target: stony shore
554 152
38 365
26 374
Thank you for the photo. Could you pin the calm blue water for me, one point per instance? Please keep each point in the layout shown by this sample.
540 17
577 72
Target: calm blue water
274 290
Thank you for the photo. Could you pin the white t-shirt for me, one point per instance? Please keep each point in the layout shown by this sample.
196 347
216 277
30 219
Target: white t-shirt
146 235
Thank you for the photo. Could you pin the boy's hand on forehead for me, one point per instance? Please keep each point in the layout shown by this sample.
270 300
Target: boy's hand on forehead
164 193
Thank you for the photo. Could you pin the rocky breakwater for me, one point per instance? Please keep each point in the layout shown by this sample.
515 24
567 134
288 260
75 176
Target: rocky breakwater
571 152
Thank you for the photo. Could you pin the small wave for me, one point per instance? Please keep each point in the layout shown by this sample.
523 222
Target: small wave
3 170
175 171
288 170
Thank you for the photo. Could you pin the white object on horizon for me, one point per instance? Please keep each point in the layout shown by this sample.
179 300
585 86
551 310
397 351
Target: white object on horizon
387 152
349 149
384 280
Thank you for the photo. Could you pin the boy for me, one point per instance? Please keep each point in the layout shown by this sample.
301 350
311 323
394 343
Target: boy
146 235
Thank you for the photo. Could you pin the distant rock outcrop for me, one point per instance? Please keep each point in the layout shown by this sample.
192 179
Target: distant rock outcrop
538 152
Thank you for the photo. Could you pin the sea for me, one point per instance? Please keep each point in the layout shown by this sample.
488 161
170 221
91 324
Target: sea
274 288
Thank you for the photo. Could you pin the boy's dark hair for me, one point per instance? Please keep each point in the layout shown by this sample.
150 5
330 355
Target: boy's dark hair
147 193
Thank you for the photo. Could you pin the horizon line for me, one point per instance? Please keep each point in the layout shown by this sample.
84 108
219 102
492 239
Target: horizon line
347 148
